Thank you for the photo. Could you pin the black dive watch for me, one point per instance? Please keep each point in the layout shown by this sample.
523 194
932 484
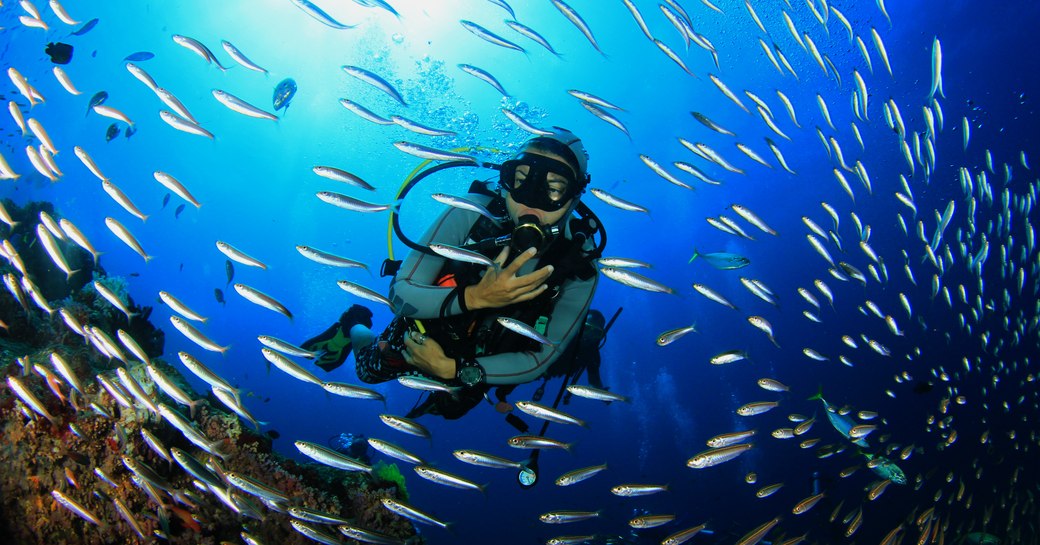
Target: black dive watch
469 372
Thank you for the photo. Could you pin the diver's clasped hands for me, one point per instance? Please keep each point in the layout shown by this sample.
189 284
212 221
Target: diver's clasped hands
428 355
501 286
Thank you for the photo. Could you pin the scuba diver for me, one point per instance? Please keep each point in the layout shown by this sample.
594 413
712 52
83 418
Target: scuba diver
476 326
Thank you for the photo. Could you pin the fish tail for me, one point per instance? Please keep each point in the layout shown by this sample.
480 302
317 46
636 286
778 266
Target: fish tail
819 394
696 254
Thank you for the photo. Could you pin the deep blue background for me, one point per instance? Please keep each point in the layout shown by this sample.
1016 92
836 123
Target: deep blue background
258 193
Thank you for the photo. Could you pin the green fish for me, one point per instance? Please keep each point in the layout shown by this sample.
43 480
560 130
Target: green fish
722 261
886 469
841 423
981 538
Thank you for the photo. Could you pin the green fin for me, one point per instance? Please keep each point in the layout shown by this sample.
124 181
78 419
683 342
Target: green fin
696 254
819 394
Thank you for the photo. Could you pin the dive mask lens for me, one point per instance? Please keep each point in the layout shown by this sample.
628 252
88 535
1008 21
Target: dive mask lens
527 178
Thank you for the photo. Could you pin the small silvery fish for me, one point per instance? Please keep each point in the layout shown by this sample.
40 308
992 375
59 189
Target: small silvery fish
591 392
237 255
523 123
364 113
425 152
463 203
563 517
289 366
484 459
405 425
579 475
419 128
351 390
617 202
196 336
426 384
319 15
127 237
622 262
76 508
717 456
330 457
260 298
375 81
236 104
670 336
483 75
240 58
181 308
340 175
461 254
635 280
183 125
285 347
363 292
576 19
490 37
412 513
394 451
516 326
538 410
537 442
447 479
326 258
350 203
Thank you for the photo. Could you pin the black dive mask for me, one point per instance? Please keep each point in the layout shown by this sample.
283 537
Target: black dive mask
533 188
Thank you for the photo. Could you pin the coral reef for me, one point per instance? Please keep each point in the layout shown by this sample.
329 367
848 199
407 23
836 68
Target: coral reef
98 451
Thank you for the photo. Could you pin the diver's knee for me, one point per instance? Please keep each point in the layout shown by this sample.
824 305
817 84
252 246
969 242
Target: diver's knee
360 337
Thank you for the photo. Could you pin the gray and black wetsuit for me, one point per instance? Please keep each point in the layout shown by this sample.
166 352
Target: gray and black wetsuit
416 295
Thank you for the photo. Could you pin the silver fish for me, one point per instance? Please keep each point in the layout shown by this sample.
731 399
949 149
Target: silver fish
635 280
491 37
364 113
617 202
238 256
330 457
127 237
425 152
350 203
516 326
375 81
258 297
326 258
590 392
240 58
319 15
484 76
576 19
238 105
363 292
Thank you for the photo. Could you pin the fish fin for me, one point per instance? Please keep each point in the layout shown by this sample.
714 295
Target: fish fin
819 395
696 254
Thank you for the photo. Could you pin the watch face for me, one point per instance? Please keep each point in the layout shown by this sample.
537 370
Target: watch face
527 476
469 375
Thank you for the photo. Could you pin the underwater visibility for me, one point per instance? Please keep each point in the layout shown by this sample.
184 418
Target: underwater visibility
519 272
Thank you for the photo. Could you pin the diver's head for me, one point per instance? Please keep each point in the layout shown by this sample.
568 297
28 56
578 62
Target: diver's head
546 178
595 325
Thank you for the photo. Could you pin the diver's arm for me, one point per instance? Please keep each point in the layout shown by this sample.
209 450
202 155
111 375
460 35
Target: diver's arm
566 321
413 292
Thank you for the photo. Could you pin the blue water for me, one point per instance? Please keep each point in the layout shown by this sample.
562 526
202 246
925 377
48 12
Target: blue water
258 193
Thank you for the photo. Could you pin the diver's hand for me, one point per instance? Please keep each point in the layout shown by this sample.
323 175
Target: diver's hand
501 286
428 356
